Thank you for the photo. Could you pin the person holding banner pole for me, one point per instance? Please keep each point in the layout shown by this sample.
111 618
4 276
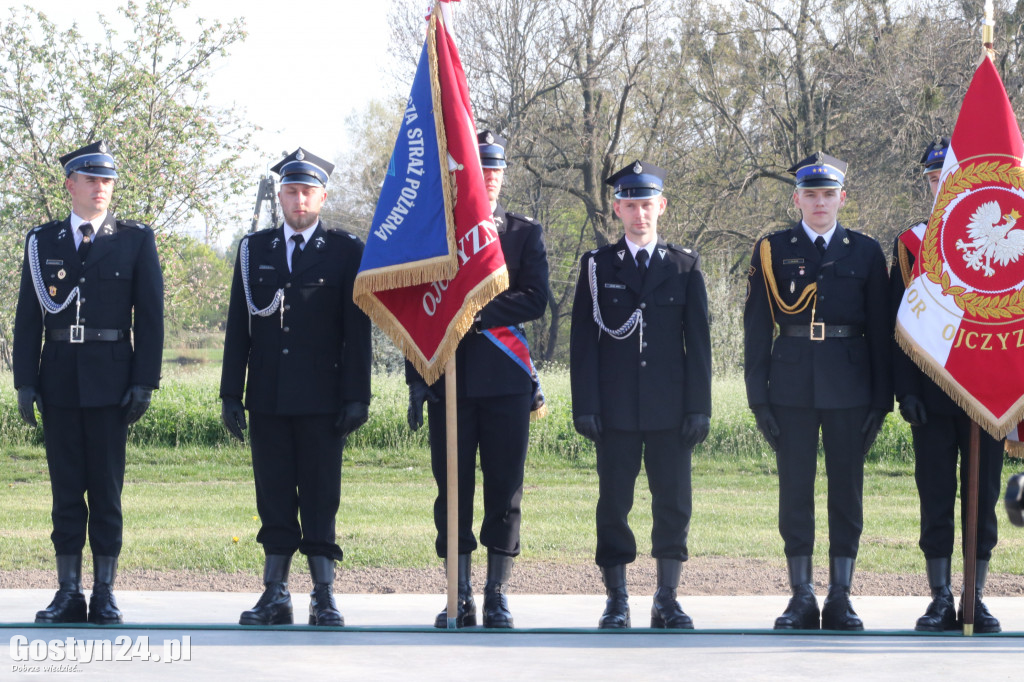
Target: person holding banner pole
496 392
299 347
941 434
640 371
817 335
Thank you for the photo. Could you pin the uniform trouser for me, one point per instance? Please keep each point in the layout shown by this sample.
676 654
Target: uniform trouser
936 447
619 454
500 427
296 461
85 455
797 459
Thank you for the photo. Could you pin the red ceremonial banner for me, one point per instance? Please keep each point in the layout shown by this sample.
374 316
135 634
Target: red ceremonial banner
962 316
427 319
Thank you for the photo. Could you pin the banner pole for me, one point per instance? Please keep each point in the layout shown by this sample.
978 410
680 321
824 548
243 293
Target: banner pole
452 481
971 530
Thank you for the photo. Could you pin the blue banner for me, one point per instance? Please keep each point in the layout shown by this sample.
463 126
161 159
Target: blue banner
409 228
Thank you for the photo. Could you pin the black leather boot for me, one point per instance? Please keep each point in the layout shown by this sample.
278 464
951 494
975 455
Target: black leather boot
616 608
68 605
322 609
465 615
499 570
102 605
802 611
984 622
941 614
665 611
275 604
838 613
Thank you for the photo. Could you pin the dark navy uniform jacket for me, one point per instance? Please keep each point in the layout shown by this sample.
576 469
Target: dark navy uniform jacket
908 379
629 387
317 356
121 288
482 370
836 373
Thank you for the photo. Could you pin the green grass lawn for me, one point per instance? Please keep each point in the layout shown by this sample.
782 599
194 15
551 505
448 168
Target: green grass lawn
192 506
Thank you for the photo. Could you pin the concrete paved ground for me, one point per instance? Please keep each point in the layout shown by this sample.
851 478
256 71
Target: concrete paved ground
389 638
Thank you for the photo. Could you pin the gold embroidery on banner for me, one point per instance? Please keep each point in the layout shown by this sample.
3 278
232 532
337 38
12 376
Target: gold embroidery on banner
984 306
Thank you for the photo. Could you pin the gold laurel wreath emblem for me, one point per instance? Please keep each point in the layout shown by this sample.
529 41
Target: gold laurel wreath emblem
984 306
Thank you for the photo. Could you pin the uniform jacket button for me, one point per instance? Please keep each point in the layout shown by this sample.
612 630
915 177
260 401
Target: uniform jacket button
643 363
643 306
284 351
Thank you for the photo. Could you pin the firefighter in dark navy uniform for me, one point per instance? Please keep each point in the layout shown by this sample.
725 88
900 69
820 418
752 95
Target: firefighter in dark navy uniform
91 286
495 398
827 369
640 365
941 433
300 348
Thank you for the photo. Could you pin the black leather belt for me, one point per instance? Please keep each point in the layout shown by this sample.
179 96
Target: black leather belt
819 331
87 334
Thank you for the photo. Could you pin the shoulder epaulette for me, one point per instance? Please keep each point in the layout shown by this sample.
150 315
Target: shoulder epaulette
686 251
134 224
520 216
40 228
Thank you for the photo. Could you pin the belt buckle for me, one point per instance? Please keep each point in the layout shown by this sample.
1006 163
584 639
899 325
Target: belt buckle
76 333
817 331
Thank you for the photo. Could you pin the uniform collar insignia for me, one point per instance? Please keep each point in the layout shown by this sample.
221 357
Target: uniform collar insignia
621 254
274 242
319 242
661 252
63 233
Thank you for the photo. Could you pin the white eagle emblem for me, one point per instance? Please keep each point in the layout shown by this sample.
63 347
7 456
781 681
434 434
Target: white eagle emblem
991 241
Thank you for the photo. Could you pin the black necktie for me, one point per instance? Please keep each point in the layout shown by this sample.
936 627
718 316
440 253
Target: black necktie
296 250
641 262
820 243
83 248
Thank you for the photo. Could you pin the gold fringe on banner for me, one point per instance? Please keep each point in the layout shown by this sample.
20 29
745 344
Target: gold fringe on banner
1014 448
432 368
996 427
543 412
404 275
447 181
